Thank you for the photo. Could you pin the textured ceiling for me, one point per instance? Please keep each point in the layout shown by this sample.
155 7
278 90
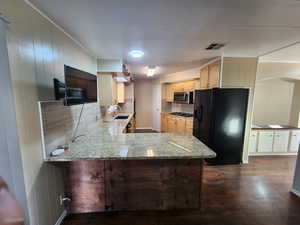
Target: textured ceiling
174 33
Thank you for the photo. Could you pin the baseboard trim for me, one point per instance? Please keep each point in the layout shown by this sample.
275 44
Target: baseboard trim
61 217
273 154
295 192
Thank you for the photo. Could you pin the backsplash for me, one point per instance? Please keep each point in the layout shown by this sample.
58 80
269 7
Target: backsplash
58 122
188 108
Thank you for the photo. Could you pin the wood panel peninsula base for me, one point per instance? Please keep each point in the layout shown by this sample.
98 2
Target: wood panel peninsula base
122 185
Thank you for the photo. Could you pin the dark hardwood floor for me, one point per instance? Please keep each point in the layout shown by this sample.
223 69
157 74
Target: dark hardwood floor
253 194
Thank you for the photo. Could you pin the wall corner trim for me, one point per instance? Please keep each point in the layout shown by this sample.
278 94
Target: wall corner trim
61 218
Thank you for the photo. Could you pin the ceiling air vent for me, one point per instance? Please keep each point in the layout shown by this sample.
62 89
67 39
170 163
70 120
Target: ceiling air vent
215 46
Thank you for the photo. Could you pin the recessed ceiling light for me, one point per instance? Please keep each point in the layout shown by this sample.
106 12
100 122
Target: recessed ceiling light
136 53
151 71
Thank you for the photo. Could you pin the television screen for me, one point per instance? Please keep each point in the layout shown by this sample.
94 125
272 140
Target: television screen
79 87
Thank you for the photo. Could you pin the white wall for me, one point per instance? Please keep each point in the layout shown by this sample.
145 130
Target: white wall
273 102
37 53
143 92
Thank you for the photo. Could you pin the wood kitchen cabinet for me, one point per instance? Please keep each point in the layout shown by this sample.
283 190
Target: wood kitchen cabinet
204 79
108 89
189 86
180 124
111 92
185 86
163 122
176 124
169 92
189 126
214 74
120 92
210 75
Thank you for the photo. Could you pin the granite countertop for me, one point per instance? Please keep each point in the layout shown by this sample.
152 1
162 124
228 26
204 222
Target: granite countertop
273 127
108 142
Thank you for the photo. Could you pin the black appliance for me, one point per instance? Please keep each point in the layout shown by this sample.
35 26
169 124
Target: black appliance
79 87
184 114
219 122
184 97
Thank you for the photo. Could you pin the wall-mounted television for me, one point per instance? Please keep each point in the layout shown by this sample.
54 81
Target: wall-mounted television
79 87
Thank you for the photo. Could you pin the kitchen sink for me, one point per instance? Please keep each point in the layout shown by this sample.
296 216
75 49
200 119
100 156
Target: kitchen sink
121 117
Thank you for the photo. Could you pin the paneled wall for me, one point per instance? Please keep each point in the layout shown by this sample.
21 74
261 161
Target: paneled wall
37 52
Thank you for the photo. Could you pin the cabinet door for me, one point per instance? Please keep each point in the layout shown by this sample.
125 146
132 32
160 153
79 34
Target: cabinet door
281 141
294 141
265 141
121 92
197 84
169 92
178 87
204 78
189 126
189 86
171 124
253 142
163 122
214 74
180 125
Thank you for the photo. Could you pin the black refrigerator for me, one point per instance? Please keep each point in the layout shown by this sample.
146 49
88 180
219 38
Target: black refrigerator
219 122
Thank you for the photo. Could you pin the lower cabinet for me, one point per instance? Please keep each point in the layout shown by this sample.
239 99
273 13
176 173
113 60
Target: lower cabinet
281 141
176 124
273 142
265 141
252 142
294 141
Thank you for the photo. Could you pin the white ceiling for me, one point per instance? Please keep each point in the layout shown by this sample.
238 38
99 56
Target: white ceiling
174 33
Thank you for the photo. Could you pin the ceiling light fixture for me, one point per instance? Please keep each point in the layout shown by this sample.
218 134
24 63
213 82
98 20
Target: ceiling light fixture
151 71
136 53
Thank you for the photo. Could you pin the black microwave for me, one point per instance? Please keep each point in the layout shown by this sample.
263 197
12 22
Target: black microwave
184 97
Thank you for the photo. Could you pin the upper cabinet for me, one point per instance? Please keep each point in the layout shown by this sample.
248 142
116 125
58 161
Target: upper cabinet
120 92
204 78
184 86
110 92
169 92
210 75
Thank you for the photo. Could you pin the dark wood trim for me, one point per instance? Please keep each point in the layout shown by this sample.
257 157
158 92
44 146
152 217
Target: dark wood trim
121 185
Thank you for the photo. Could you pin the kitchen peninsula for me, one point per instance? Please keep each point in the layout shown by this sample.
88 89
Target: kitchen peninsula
108 170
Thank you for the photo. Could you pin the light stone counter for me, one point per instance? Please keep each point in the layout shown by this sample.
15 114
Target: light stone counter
108 142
